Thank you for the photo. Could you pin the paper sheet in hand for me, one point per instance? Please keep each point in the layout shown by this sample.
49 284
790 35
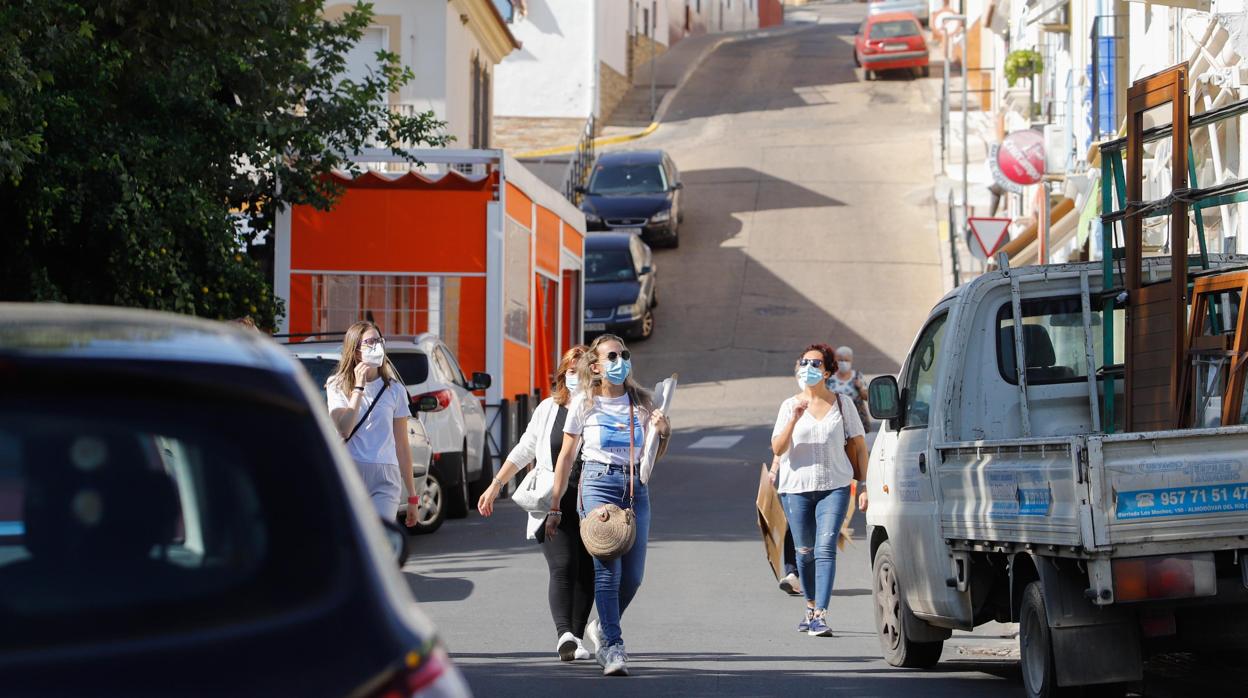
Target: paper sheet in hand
663 393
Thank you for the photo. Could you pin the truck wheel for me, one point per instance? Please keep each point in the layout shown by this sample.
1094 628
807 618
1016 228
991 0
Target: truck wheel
890 615
456 497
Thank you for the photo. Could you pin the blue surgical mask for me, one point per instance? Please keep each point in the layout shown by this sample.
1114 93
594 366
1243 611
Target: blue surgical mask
808 375
617 371
571 380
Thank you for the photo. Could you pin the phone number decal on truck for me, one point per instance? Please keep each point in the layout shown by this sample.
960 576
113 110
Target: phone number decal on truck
1182 501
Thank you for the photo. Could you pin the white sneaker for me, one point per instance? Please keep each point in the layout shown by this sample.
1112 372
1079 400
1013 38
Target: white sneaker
791 585
581 652
615 661
567 646
593 634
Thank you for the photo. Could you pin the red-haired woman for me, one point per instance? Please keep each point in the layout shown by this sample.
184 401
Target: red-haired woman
571 589
814 475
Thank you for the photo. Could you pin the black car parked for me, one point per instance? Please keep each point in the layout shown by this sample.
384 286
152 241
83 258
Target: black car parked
179 517
620 280
636 192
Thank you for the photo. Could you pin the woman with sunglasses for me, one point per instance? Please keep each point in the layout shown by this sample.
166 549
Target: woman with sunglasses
607 423
369 406
571 589
812 431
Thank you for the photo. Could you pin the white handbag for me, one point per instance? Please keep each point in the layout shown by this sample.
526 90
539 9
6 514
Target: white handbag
536 490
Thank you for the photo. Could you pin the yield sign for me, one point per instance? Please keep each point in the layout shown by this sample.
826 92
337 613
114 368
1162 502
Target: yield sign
987 235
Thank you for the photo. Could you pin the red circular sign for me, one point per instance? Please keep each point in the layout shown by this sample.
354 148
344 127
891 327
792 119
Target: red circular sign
1021 157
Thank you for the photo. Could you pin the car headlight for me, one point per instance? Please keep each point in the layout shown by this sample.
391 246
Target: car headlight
662 216
631 311
591 217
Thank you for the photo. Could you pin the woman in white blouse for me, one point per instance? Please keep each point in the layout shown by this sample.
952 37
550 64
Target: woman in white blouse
812 432
571 588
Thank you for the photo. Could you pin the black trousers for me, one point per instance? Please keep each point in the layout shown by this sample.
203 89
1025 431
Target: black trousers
790 553
571 590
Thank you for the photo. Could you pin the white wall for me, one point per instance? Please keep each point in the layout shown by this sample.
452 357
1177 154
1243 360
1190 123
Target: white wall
611 29
461 44
553 74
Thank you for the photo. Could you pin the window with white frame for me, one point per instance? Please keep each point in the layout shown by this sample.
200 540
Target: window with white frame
400 304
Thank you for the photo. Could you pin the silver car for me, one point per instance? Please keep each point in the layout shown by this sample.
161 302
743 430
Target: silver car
431 511
918 8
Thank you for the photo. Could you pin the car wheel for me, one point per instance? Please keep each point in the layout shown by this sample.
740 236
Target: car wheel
927 71
869 75
431 511
483 480
457 496
647 325
890 617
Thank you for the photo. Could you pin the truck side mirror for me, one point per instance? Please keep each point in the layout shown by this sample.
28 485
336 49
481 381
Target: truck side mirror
883 398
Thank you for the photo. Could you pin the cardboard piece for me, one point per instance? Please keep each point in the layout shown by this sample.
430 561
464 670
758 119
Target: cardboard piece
772 523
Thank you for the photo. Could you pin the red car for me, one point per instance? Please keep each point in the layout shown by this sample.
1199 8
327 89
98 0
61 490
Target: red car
892 41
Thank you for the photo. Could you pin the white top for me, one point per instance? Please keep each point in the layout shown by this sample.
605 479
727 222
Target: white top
816 460
374 442
603 428
536 444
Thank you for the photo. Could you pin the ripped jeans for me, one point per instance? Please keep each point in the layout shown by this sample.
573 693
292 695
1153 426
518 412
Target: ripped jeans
815 522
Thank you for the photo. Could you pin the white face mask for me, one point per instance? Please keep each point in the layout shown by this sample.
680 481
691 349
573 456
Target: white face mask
373 356
571 380
844 366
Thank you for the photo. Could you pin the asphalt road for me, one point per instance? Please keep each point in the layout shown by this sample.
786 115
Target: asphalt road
809 218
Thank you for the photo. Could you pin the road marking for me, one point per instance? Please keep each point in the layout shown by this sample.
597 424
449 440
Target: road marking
715 442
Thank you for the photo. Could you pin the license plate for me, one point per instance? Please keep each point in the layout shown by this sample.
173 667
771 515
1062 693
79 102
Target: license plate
895 47
630 231
595 327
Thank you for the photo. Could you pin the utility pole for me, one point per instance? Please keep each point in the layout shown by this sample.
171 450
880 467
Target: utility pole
654 25
966 144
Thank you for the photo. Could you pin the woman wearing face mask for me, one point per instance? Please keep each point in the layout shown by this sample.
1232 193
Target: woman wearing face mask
813 478
850 383
571 588
369 406
610 413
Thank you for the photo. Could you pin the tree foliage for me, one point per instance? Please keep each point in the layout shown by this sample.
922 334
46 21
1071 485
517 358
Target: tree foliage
134 136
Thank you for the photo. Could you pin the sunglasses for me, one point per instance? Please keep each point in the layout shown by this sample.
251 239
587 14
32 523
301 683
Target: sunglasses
373 342
626 355
817 363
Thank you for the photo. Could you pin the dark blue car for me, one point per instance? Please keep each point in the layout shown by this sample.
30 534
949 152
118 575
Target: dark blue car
179 517
636 192
620 280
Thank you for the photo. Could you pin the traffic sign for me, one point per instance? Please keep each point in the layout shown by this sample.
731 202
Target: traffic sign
987 235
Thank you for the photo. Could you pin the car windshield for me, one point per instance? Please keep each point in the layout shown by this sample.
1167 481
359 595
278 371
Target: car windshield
123 516
628 179
609 265
896 29
413 367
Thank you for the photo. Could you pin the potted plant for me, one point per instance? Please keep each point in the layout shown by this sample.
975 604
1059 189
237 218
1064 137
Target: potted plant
1023 63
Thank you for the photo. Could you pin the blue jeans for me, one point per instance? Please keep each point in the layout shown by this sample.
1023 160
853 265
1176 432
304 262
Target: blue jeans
815 522
616 582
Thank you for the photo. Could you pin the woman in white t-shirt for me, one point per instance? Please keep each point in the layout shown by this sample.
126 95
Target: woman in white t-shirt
607 423
369 406
811 434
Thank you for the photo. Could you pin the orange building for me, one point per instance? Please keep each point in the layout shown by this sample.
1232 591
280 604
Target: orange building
473 248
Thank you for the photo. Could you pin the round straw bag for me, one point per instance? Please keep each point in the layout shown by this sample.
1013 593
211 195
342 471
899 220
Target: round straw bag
608 532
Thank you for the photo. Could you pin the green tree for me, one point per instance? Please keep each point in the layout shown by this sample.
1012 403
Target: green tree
135 135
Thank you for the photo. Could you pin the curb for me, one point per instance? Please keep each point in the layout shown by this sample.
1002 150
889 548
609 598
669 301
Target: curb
660 111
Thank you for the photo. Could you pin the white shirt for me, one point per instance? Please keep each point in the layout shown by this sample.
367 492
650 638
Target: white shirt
816 460
603 428
535 445
374 442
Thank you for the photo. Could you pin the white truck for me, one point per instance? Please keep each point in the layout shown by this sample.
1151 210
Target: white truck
997 495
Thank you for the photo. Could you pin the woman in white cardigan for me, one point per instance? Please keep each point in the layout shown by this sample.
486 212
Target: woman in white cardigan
571 589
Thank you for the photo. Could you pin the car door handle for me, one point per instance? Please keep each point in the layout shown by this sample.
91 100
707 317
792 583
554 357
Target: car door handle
922 462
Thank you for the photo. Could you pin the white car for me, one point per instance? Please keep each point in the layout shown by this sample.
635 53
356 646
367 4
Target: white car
320 364
461 467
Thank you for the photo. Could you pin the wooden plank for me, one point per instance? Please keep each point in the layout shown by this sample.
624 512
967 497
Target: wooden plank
1152 378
